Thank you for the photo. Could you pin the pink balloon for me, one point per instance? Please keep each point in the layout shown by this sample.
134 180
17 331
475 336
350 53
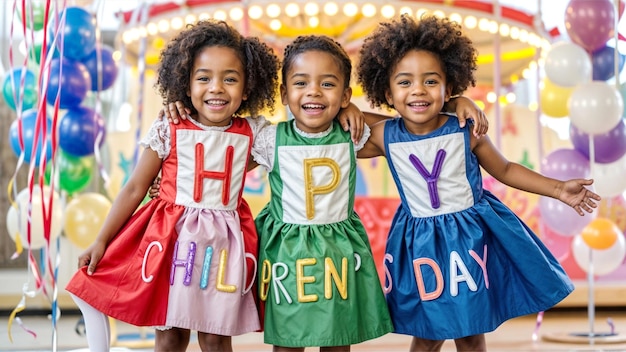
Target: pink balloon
589 23
561 218
564 164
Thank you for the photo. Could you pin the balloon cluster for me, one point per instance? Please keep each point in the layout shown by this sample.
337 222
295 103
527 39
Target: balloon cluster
575 86
75 65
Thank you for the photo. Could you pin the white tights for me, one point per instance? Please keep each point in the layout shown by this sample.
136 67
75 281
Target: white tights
96 326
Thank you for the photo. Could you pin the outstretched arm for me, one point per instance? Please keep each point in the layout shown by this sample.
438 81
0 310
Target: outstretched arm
572 192
466 109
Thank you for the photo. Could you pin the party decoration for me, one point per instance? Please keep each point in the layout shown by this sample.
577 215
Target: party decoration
590 23
11 89
601 233
29 125
102 68
564 164
595 107
73 79
603 61
608 146
561 218
554 99
604 261
79 130
622 92
17 218
79 33
36 9
568 65
74 173
614 209
558 245
84 216
609 180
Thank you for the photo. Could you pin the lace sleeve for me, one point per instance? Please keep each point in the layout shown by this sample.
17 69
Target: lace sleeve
367 132
158 138
264 141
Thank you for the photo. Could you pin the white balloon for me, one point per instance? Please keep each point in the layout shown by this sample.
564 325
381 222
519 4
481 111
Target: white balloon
595 107
17 218
609 180
604 260
568 64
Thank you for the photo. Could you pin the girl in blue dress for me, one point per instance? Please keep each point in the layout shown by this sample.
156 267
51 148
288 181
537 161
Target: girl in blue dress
458 261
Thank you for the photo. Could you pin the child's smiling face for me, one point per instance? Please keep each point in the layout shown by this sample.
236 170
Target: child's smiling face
315 90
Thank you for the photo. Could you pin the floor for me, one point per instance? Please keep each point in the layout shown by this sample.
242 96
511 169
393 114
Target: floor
570 329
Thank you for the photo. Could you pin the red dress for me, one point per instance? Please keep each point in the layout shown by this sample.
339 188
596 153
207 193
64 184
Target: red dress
188 258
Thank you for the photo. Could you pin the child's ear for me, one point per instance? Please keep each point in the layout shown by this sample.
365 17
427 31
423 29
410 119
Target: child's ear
345 99
448 93
283 94
389 98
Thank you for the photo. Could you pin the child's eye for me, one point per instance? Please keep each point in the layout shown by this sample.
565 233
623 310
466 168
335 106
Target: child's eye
203 79
328 85
231 80
299 84
404 83
431 82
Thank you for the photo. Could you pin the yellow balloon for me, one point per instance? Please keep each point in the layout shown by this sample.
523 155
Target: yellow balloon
554 99
84 216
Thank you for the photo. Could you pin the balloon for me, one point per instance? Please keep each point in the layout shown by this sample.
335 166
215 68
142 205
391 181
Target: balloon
84 216
603 61
568 65
609 180
553 99
561 218
74 173
11 89
102 71
29 124
608 146
564 164
74 80
79 33
35 7
558 245
595 107
590 23
604 261
79 131
601 233
17 218
622 92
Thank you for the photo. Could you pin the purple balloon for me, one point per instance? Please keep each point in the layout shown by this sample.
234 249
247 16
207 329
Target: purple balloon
561 218
73 78
589 23
603 61
565 164
609 146
102 71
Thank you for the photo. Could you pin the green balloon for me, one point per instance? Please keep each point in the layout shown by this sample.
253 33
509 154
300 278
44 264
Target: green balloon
74 172
38 9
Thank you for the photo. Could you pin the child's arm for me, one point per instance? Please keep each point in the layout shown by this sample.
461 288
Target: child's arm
374 146
123 207
571 192
466 109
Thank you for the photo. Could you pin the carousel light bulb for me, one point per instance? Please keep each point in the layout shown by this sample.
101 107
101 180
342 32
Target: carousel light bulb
455 17
387 11
255 12
177 23
152 28
405 10
505 29
368 10
311 9
164 26
483 24
143 32
491 97
117 55
511 97
127 37
470 22
292 9
331 8
439 14
493 27
420 12
236 14
272 10
533 106
275 25
523 36
532 65
190 18
526 73
350 9
514 33
220 15
314 22
204 16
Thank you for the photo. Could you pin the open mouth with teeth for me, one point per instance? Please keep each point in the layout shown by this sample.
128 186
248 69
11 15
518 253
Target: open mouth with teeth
215 102
313 107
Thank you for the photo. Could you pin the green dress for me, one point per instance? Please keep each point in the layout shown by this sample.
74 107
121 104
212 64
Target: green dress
317 276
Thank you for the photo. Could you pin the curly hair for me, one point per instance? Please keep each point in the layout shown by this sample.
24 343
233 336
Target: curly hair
388 44
259 61
322 43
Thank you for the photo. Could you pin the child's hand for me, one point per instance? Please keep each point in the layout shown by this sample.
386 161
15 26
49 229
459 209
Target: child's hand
153 191
578 197
174 112
465 110
352 119
91 257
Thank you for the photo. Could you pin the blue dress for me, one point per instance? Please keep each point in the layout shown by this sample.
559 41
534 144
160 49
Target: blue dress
458 262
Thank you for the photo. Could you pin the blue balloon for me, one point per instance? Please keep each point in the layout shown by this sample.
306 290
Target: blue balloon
29 124
79 129
603 61
74 80
103 69
11 90
79 33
